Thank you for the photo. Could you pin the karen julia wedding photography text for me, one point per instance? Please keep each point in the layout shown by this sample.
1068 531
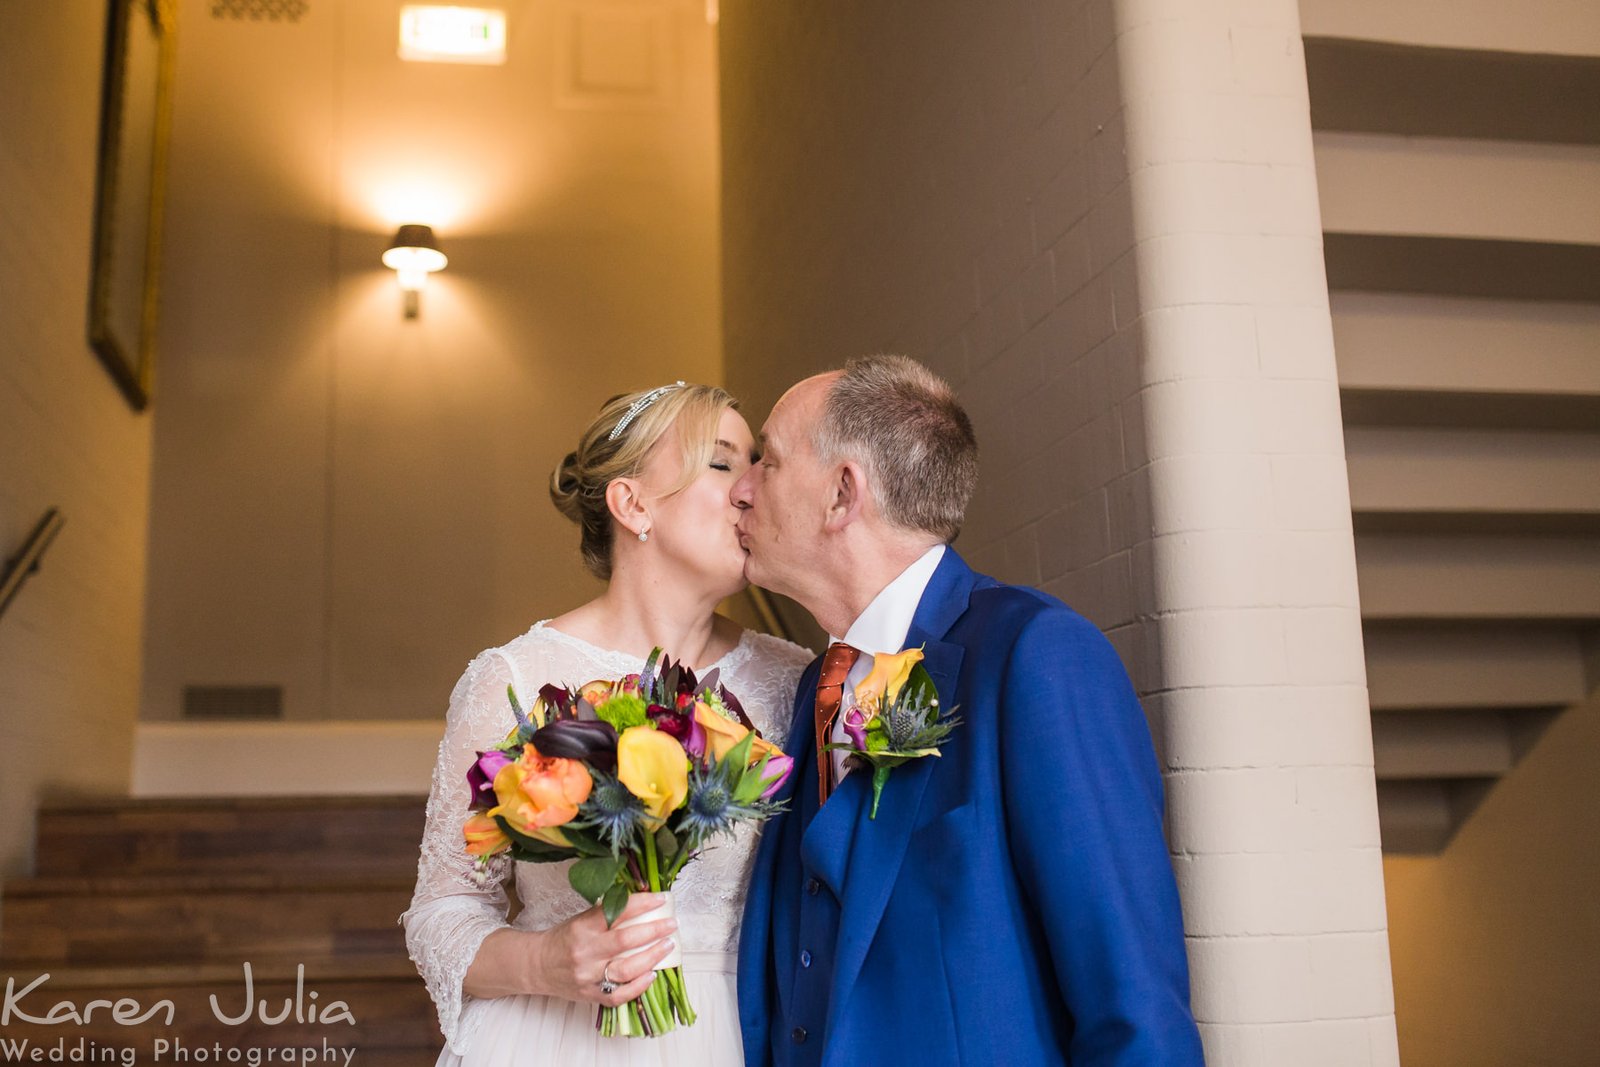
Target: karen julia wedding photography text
29 1004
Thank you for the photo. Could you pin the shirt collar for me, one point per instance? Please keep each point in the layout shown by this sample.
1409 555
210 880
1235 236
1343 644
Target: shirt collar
887 620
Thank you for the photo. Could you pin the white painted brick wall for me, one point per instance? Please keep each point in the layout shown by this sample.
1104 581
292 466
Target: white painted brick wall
1250 566
1099 219
70 643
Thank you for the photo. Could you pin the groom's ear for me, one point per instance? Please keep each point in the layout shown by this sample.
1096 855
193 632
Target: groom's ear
849 496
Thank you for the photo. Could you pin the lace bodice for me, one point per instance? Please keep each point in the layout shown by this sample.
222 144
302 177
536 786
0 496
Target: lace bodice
450 915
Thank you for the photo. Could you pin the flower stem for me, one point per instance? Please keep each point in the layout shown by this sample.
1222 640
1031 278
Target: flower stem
651 867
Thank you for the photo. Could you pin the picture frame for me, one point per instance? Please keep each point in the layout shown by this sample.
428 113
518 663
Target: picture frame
129 186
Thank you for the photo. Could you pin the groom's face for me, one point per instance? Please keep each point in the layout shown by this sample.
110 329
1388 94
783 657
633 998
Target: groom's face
783 498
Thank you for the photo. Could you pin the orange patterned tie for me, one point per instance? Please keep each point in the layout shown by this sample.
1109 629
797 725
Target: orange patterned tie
836 664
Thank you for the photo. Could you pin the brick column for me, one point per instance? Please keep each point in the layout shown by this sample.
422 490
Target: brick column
1253 654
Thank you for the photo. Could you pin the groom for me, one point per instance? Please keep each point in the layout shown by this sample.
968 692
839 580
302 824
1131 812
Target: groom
1012 902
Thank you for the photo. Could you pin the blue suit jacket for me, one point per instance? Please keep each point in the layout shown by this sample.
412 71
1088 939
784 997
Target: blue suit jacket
1013 902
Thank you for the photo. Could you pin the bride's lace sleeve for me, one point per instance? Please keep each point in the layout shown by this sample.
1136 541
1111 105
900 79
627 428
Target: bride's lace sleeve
450 914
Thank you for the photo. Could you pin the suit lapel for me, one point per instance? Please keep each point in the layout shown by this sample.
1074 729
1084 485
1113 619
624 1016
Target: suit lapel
875 848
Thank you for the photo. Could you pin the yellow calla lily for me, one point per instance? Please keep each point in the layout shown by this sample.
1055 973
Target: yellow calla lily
890 671
655 768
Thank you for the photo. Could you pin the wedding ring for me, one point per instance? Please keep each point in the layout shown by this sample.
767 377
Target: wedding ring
607 986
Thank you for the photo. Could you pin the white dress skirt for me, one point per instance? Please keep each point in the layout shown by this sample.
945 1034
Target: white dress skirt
539 1030
450 915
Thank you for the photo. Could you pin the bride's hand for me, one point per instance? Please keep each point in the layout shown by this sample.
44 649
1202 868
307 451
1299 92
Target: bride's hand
571 959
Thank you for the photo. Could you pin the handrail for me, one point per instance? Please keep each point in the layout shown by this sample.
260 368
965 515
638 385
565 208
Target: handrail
25 564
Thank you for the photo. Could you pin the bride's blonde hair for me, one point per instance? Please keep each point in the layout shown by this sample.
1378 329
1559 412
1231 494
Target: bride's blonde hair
692 413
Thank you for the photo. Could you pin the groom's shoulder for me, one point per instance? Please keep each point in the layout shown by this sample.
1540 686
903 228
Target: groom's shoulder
995 601
1021 612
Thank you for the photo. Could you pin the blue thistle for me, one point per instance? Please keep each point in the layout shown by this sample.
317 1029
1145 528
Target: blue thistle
612 812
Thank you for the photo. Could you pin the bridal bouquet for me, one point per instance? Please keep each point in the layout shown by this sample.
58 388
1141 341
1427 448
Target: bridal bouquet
630 778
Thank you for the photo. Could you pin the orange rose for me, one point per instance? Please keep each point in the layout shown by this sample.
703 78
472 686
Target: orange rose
538 794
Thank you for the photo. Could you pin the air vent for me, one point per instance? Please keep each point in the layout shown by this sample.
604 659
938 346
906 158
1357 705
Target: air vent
260 10
233 702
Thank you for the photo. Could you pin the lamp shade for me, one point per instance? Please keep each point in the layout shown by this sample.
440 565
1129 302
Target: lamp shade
414 249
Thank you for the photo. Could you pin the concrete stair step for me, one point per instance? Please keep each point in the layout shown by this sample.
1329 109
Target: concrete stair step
1431 345
1470 743
1422 577
1470 481
1450 667
1378 183
366 835
1419 817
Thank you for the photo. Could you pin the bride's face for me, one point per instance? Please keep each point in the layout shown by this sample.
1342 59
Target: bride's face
694 530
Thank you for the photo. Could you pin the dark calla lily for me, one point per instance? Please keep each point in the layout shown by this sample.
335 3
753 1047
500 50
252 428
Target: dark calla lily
593 742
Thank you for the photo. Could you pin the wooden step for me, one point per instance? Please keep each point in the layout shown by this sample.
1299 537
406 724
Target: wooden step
1478 578
1446 667
100 921
368 835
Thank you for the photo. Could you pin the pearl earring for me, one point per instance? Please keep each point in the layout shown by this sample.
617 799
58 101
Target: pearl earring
644 535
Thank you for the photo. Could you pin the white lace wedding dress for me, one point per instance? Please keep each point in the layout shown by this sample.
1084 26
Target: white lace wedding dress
450 915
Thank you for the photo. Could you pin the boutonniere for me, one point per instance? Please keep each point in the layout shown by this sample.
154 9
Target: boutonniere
895 717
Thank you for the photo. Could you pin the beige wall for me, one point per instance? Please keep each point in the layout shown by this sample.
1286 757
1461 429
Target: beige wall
1496 939
69 645
350 505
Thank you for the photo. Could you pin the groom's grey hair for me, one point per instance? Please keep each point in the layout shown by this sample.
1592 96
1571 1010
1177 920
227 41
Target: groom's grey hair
904 425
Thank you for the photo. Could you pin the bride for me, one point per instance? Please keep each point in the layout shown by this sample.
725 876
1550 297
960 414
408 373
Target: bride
648 487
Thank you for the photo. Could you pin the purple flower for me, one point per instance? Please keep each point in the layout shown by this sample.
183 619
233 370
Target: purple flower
855 726
776 773
681 726
480 778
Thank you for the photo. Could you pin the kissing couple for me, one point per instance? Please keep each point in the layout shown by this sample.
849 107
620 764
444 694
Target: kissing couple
1008 902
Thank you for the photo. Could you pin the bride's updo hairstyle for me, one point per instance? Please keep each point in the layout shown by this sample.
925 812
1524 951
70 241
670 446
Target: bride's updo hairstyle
687 415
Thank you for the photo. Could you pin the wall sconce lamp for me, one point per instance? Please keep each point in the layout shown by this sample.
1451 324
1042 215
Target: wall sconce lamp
413 255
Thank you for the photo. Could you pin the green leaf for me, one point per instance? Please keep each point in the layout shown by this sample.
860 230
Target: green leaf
739 754
751 782
880 777
585 843
615 899
666 846
537 851
919 688
594 876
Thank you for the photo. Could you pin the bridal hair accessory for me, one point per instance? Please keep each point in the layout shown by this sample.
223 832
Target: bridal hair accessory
638 406
631 778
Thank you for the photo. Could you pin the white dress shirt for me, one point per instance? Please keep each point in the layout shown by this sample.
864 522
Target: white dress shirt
882 627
